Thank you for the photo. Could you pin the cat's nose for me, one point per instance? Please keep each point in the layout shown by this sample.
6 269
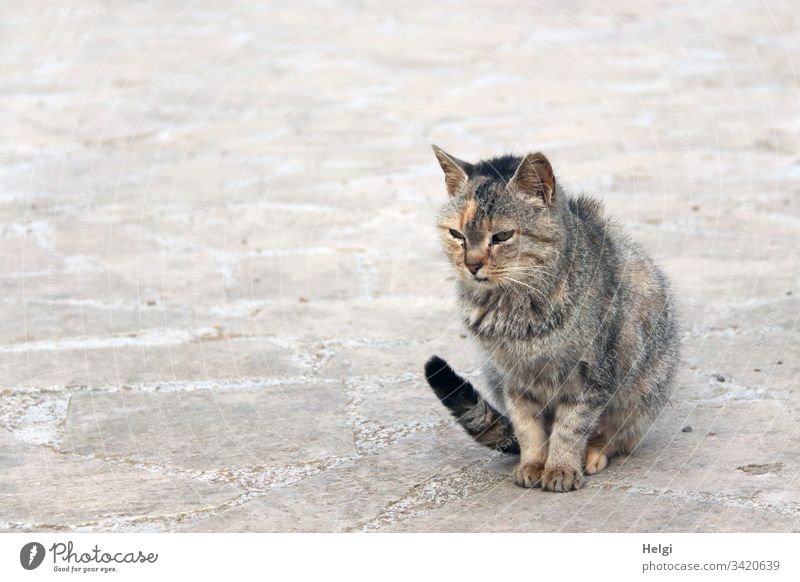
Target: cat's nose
474 267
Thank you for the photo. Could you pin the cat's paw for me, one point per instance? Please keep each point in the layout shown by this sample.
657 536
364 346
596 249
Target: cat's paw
596 461
528 474
562 479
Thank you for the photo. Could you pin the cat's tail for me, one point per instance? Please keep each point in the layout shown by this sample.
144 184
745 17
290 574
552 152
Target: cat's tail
481 421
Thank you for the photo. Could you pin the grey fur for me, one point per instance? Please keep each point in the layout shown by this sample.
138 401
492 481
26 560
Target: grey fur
576 323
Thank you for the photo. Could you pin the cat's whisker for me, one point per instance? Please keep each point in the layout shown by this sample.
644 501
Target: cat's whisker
524 273
533 269
537 291
532 274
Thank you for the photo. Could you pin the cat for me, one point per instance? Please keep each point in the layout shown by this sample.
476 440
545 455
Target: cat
576 325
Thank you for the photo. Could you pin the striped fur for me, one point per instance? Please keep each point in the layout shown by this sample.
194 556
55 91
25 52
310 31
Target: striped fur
576 324
481 421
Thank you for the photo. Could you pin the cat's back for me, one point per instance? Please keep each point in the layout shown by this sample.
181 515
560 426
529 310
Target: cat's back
585 208
626 270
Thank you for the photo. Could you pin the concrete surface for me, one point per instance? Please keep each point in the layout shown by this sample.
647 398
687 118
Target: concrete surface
221 278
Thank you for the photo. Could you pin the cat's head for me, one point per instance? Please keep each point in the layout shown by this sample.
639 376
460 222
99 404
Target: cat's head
501 224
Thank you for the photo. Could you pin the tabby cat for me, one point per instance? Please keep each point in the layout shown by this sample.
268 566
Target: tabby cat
575 323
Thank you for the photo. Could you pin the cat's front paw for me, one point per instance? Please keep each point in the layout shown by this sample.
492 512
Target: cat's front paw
562 479
528 474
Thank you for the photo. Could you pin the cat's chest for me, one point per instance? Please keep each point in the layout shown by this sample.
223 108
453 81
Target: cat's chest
520 341
504 316
521 361
500 321
540 358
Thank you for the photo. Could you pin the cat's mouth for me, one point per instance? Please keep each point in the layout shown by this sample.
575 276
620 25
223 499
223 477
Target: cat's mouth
476 278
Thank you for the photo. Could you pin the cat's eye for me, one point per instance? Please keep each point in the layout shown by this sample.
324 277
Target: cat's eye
455 234
502 236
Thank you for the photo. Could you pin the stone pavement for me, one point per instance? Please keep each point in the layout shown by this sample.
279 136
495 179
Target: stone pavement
220 273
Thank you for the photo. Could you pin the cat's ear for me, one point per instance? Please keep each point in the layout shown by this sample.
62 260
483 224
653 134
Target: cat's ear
534 177
456 172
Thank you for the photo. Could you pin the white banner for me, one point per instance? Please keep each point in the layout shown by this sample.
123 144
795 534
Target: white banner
152 557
